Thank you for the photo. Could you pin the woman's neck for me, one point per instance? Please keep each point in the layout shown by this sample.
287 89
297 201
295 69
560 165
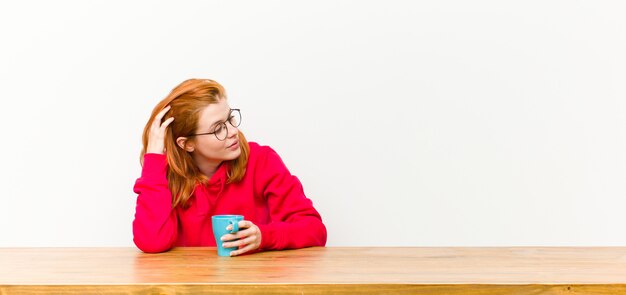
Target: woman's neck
206 166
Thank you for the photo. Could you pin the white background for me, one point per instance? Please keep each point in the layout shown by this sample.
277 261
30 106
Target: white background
415 123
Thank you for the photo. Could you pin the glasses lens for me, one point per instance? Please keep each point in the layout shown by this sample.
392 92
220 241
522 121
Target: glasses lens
235 118
221 132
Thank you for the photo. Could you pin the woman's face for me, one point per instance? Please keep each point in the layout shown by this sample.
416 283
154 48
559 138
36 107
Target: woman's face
207 147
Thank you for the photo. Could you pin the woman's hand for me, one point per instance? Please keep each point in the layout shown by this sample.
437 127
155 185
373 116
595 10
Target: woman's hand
249 238
156 139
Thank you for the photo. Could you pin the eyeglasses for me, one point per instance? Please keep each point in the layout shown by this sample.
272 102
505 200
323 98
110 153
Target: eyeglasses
221 130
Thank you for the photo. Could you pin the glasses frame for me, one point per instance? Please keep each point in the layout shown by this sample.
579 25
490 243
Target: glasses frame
223 123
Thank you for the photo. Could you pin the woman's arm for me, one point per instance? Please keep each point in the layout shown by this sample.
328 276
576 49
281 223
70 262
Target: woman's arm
294 221
155 227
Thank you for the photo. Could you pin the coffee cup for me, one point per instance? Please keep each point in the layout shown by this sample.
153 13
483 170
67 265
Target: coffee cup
220 223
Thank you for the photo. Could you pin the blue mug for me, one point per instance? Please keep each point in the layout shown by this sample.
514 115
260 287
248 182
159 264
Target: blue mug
220 222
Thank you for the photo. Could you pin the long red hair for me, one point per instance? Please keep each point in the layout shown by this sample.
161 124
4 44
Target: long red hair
187 100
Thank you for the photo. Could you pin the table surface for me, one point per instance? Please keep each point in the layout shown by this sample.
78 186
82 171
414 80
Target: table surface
368 268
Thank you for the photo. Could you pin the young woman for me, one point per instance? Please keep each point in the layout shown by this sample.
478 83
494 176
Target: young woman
196 164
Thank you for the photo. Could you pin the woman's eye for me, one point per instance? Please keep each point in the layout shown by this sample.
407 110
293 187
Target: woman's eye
218 128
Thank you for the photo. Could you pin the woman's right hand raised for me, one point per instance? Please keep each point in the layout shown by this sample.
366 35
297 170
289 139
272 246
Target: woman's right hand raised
156 139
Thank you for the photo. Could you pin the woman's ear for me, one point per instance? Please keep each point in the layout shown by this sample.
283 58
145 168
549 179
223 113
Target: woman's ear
185 144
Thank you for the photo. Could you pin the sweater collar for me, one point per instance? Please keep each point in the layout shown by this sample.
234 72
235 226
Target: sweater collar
220 175
212 190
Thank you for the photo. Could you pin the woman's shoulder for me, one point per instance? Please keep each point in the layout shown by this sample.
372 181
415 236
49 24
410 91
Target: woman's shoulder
258 150
262 154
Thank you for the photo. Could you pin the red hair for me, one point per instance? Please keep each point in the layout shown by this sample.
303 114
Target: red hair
187 101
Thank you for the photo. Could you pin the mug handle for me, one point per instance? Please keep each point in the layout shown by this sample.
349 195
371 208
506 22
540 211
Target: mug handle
235 224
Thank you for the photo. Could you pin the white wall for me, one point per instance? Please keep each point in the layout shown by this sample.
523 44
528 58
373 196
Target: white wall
410 123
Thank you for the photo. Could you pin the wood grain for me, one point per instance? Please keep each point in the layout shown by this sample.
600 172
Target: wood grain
455 270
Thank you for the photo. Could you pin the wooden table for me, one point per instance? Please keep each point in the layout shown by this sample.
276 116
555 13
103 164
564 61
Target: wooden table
516 270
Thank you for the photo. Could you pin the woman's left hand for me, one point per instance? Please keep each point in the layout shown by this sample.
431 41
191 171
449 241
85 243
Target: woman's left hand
248 238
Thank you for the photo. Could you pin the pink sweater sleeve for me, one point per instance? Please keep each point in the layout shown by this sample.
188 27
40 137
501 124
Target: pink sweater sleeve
294 221
155 225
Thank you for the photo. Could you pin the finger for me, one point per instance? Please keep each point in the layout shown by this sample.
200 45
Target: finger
159 116
245 224
251 231
245 249
241 242
228 237
167 123
239 235
241 224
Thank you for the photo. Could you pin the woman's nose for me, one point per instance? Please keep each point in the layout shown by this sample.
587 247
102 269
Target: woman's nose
232 130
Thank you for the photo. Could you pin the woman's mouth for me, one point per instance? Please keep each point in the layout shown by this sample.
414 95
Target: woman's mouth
233 145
